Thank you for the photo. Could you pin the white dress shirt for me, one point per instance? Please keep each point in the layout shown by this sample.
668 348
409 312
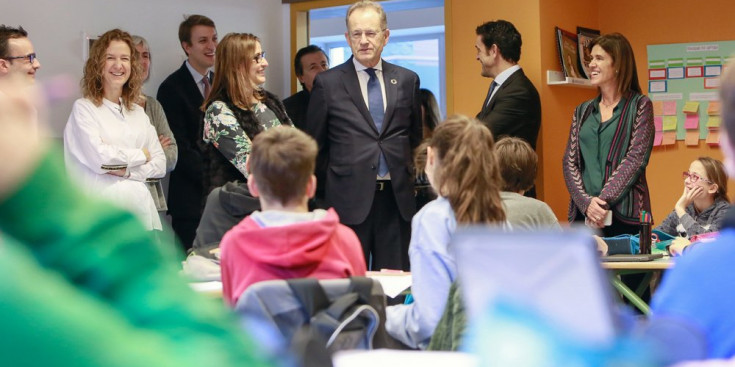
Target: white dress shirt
109 135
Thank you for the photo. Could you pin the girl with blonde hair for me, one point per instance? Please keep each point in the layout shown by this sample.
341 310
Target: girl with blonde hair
463 170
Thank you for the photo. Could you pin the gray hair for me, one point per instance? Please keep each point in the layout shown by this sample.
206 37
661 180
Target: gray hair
364 4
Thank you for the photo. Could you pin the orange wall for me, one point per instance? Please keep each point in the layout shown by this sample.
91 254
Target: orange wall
558 102
466 88
673 21
535 20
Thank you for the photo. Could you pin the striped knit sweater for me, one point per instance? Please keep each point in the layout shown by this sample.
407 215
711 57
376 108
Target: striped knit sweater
625 189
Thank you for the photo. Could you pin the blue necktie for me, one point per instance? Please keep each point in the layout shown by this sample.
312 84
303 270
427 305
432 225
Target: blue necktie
375 105
493 85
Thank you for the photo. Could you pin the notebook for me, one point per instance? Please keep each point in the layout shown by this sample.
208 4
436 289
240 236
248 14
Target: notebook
558 274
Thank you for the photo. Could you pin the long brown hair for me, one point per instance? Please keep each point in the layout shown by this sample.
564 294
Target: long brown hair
234 55
623 60
92 81
467 171
715 171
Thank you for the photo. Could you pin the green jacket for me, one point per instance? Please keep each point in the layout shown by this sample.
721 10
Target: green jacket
86 285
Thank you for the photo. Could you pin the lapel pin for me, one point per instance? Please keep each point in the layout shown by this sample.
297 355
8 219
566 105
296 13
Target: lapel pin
393 81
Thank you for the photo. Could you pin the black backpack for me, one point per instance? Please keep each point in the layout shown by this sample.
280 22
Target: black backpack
346 322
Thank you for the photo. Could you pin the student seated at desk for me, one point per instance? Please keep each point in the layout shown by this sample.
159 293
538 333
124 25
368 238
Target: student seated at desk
704 202
285 240
463 170
518 164
702 205
692 310
83 284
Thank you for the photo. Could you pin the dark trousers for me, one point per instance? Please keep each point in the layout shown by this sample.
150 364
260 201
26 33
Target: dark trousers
185 229
384 234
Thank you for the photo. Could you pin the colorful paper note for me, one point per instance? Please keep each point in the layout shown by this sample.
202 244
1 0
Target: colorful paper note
713 138
658 121
711 83
692 137
657 138
669 108
658 108
713 108
692 122
691 107
675 73
669 123
669 138
712 121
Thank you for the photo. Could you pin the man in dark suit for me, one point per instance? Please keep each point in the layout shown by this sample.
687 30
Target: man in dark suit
309 61
512 106
366 117
181 95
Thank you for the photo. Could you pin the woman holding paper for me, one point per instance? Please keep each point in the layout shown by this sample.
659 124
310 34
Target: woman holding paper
109 143
610 142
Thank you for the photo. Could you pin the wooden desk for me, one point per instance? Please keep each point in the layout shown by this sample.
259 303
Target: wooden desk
648 267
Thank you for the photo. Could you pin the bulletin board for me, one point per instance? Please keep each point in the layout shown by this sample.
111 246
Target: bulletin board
683 83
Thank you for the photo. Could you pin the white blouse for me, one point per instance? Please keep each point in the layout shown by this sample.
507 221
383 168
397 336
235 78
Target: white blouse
101 138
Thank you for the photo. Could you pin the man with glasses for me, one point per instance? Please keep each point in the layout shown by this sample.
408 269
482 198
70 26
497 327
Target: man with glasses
181 96
18 64
18 61
366 117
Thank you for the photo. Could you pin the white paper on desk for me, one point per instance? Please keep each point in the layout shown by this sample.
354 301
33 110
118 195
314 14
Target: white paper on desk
207 286
393 284
390 357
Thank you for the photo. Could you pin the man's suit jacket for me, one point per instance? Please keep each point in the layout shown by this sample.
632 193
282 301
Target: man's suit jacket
296 107
181 100
350 144
514 110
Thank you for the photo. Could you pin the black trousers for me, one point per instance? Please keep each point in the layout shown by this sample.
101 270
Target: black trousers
185 229
384 234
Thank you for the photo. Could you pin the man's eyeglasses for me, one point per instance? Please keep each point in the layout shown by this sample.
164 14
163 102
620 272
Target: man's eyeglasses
369 34
259 57
31 57
694 178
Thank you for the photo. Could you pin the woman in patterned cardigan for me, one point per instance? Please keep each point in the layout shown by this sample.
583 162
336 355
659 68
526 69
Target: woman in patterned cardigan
610 143
236 109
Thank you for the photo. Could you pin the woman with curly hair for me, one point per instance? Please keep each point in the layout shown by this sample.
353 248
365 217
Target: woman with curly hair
237 109
109 143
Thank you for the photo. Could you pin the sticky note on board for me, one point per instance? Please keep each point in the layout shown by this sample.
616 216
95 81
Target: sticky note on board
713 108
713 121
669 138
669 123
658 121
691 107
713 138
691 122
692 138
658 136
669 108
658 107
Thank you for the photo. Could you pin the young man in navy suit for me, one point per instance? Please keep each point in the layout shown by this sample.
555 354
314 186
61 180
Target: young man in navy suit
512 106
181 95
365 116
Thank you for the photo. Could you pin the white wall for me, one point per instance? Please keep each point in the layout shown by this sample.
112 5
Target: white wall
56 28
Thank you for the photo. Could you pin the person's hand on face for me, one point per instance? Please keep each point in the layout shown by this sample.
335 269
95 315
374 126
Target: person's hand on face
688 196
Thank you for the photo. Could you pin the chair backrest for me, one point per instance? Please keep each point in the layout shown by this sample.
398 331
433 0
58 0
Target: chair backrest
347 313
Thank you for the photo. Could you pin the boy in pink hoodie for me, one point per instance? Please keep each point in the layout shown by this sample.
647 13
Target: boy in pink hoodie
285 240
